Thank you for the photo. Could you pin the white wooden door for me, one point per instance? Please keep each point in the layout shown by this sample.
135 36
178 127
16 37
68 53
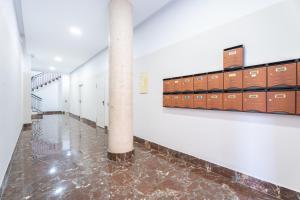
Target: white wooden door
100 91
80 100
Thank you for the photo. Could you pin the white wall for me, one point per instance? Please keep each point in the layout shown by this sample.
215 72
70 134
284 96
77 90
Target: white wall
26 88
261 145
65 95
184 19
188 37
12 67
87 75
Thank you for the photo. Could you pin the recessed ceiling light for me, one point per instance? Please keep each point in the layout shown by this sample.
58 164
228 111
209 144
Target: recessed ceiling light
58 59
52 68
75 31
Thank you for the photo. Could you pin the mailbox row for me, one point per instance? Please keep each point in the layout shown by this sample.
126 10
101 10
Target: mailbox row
286 74
286 101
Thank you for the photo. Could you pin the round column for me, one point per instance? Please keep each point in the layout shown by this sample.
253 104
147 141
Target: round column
120 136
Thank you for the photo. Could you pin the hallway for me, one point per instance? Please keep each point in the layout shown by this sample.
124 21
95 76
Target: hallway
62 158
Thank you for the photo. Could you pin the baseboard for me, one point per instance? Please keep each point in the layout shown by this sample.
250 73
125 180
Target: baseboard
254 183
53 113
88 122
74 116
25 127
37 116
84 120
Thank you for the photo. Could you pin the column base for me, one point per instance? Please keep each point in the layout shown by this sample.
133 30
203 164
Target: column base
128 156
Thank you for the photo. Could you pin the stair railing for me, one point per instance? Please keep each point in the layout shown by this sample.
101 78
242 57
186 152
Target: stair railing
36 103
42 79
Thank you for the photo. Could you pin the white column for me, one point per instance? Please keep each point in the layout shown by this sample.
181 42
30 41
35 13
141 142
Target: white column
120 136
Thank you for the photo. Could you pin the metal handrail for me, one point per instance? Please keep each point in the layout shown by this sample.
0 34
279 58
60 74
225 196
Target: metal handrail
36 103
42 79
37 75
36 97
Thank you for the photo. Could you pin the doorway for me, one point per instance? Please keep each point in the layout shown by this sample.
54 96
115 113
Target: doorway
80 100
100 103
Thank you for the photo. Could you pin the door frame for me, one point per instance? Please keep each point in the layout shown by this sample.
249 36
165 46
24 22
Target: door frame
80 100
100 99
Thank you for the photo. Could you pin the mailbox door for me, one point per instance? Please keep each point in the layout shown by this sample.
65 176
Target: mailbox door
233 58
282 75
200 83
255 78
177 85
200 101
233 80
233 101
187 84
215 81
187 100
166 100
282 102
254 101
215 101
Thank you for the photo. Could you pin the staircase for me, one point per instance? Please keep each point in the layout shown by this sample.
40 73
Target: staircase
43 79
36 103
38 81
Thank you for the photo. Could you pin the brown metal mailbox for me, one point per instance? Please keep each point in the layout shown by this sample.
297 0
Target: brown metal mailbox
168 86
200 83
171 102
165 86
233 57
254 101
200 101
298 103
167 100
281 102
215 101
187 101
176 100
298 73
282 75
187 84
233 80
177 85
215 81
233 101
255 78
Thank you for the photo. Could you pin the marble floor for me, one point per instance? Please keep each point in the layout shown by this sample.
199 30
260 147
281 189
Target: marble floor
62 158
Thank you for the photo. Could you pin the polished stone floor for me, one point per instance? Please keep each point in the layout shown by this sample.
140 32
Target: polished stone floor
62 158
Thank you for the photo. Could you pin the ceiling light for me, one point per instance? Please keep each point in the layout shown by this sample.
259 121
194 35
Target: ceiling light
52 68
58 59
75 31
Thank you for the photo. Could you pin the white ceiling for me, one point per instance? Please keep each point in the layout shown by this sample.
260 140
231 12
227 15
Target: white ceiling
47 23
